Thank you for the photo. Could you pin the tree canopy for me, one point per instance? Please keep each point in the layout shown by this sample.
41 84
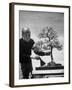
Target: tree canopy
51 38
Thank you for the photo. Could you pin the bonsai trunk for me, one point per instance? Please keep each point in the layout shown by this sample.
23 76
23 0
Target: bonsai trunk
51 54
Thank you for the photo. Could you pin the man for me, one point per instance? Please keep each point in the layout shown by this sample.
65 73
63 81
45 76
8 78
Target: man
26 44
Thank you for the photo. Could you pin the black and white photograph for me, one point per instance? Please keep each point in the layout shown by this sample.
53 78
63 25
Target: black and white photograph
41 44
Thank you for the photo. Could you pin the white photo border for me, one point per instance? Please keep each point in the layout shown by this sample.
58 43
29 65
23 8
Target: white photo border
56 80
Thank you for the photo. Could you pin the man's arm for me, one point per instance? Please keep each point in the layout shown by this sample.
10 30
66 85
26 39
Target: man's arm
39 52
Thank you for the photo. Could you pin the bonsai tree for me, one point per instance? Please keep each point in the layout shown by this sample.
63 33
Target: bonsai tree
51 40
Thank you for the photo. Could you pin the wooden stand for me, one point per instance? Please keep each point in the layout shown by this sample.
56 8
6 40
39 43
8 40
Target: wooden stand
47 71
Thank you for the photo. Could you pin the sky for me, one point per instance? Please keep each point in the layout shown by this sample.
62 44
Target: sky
36 21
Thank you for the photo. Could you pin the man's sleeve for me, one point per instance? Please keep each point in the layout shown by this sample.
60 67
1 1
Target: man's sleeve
37 51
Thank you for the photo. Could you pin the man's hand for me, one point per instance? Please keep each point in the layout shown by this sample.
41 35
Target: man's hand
37 57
